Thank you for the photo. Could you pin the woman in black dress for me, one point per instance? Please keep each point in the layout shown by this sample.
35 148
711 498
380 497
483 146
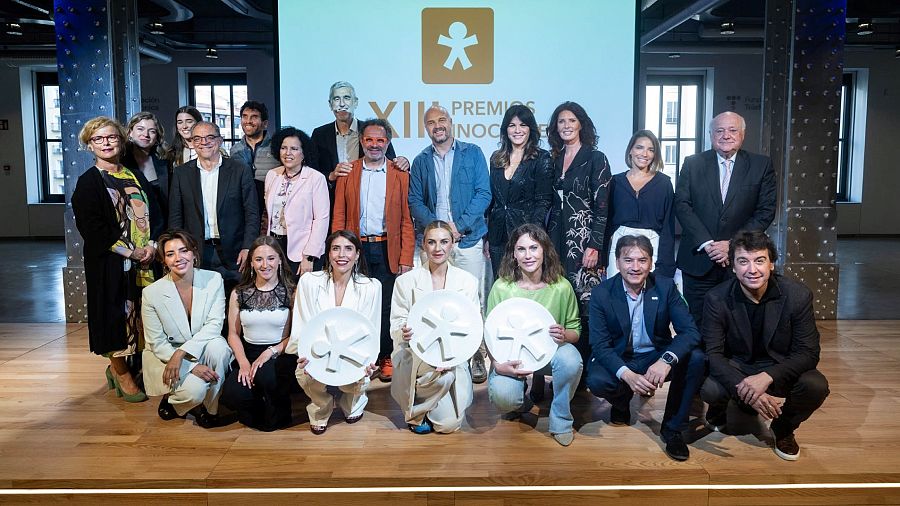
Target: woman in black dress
145 151
578 214
118 218
521 180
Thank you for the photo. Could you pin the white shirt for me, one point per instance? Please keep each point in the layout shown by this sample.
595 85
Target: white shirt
209 190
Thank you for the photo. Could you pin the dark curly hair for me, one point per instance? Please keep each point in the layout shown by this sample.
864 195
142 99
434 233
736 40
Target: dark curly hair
306 145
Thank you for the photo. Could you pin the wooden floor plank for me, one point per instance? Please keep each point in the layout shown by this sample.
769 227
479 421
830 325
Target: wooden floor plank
61 428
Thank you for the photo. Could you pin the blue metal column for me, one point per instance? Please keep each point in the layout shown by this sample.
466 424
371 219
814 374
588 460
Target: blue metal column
99 75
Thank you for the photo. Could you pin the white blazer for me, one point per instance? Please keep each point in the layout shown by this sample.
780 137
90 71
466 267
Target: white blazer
166 326
411 286
315 293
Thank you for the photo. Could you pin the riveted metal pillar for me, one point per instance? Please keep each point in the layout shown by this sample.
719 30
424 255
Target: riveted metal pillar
804 61
99 75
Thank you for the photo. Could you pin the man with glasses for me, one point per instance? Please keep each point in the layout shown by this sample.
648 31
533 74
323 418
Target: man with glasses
214 199
372 202
337 143
719 192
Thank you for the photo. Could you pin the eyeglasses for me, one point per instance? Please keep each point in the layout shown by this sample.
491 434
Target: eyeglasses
204 140
381 141
719 132
112 139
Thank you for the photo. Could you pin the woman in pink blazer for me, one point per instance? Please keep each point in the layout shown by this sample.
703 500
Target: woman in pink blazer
297 201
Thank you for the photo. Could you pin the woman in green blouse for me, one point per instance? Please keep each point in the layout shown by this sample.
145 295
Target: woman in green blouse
531 269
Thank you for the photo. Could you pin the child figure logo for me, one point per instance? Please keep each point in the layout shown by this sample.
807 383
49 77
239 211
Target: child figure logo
457 46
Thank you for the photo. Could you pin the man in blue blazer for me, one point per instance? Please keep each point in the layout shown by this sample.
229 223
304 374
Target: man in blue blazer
214 198
719 192
449 181
633 350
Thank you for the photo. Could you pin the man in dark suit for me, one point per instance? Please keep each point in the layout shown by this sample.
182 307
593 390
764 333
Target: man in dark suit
633 350
214 199
718 193
337 144
763 345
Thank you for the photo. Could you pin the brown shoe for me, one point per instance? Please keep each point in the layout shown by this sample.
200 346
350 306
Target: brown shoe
317 429
787 448
387 369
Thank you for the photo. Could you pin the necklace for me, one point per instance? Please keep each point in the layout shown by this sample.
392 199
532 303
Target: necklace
288 176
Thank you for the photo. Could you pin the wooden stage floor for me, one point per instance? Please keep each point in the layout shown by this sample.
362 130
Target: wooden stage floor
61 429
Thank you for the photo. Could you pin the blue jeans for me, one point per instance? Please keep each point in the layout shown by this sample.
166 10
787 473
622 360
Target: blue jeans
508 393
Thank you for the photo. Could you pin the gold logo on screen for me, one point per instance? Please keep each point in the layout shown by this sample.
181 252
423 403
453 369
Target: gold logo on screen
457 46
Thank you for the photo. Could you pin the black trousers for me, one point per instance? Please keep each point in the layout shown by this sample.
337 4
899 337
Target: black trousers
802 397
686 377
379 268
695 288
266 406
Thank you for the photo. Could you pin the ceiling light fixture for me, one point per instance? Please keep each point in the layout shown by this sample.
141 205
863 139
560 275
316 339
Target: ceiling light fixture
212 53
897 52
865 28
674 55
727 28
156 28
13 29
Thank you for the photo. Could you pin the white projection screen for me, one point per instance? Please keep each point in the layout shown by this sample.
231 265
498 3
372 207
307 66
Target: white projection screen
474 58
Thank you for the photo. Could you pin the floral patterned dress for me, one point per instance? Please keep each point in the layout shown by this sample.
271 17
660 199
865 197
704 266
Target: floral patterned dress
578 216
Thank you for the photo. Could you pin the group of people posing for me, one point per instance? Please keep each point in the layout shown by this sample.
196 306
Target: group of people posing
203 269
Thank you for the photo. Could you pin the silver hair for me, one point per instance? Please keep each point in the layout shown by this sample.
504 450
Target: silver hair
340 84
717 116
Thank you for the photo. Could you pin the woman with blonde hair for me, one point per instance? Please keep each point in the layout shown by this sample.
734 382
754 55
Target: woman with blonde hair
432 399
118 218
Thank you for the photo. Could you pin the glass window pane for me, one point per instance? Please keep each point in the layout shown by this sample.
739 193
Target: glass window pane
203 101
843 110
670 158
670 111
651 121
689 112
686 149
240 96
222 98
840 171
51 112
55 177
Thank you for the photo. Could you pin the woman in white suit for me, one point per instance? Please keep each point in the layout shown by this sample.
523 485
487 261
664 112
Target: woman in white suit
432 399
342 283
186 358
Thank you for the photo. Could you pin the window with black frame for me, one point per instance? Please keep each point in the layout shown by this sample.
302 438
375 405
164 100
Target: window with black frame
46 86
674 113
219 97
844 140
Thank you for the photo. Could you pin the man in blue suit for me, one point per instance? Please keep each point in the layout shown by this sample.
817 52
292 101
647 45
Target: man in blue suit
633 350
449 181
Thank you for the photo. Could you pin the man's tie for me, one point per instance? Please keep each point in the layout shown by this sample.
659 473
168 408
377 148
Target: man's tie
727 178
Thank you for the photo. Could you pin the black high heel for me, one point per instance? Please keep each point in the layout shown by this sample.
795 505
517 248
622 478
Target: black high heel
166 411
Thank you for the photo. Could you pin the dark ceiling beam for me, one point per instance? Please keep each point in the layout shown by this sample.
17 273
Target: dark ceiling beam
177 11
243 7
679 17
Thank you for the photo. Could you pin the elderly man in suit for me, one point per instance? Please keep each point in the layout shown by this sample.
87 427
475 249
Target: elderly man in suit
337 144
214 198
763 345
633 350
719 192
372 202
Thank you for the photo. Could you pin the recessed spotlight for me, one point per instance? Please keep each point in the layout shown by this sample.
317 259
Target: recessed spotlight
897 52
212 53
865 28
727 28
674 55
156 28
13 29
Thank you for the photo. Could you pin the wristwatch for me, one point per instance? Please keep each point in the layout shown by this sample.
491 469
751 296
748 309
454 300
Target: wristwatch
273 351
669 358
